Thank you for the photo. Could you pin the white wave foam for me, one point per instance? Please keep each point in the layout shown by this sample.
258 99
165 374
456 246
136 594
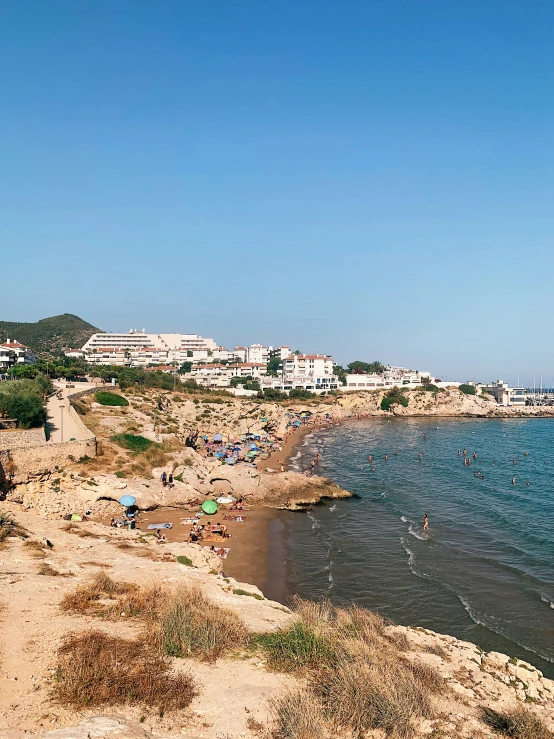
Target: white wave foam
404 519
315 524
547 600
333 507
416 534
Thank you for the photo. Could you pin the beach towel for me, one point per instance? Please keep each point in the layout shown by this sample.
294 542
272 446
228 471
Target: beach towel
234 518
212 537
237 509
160 526
185 521
221 552
225 499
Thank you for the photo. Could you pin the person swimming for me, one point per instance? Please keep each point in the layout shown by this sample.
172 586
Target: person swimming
513 480
386 457
425 522
420 456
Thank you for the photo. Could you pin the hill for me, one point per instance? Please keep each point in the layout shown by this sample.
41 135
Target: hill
49 334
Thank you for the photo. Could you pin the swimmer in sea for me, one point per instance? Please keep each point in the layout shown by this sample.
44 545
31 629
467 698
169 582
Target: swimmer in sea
425 522
425 436
474 455
527 482
420 456
370 458
396 452
373 469
465 452
386 457
513 480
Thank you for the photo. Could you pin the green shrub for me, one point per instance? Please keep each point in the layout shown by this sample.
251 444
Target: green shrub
238 591
184 560
106 398
394 397
134 443
467 389
120 473
297 647
179 478
26 407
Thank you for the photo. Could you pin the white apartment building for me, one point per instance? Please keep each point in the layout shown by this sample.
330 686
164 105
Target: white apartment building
391 377
210 375
248 369
12 353
504 394
282 352
142 348
257 353
313 365
239 353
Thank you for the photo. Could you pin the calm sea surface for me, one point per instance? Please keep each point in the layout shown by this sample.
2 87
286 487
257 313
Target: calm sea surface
484 569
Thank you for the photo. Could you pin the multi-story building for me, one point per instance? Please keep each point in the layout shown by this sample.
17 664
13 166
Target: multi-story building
281 352
239 353
257 353
391 377
141 348
504 394
248 369
13 353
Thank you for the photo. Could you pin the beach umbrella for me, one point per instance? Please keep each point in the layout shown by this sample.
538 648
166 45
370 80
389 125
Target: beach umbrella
218 437
75 517
128 500
209 507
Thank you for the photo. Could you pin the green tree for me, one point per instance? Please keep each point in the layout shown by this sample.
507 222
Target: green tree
185 368
467 389
273 366
189 353
25 406
366 368
340 372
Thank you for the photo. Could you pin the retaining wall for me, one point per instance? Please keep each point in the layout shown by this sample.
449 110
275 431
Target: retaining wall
18 464
11 439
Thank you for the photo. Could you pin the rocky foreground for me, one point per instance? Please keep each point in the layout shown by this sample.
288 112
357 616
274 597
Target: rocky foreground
234 697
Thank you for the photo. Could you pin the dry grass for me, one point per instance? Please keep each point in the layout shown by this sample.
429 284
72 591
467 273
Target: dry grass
519 723
356 671
36 548
85 600
298 715
10 528
97 564
46 569
95 669
193 626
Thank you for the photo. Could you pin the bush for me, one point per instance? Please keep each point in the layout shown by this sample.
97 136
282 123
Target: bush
184 560
136 444
467 389
394 397
519 723
10 528
296 648
298 715
106 398
95 669
193 626
25 406
300 394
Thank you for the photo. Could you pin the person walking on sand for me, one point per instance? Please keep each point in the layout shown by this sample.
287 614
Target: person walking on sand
425 522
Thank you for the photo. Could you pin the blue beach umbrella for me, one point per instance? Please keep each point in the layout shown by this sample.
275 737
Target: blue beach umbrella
127 500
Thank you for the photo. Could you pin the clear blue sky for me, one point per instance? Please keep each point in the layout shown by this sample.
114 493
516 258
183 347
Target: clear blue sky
368 179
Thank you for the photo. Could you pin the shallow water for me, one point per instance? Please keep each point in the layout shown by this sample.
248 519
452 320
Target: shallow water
484 569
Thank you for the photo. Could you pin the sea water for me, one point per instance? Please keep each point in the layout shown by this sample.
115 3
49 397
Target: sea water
482 572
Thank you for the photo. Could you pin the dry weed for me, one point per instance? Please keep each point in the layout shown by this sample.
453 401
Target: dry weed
298 715
520 723
85 599
36 548
10 528
95 669
192 625
46 569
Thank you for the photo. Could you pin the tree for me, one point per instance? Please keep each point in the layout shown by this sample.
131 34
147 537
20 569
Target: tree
185 368
270 393
366 368
297 352
26 407
273 366
467 389
340 372
189 353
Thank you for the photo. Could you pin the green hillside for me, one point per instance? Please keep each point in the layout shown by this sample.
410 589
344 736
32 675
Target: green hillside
49 334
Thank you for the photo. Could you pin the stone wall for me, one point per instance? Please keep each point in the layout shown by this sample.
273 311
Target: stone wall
19 464
21 438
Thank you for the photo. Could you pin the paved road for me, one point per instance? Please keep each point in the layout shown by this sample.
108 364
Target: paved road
64 415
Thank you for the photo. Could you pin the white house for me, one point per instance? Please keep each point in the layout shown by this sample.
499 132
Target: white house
504 394
19 353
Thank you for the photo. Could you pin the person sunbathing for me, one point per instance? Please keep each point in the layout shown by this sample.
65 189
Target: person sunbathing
161 536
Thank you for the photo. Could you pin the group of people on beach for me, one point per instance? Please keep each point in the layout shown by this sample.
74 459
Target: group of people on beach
167 480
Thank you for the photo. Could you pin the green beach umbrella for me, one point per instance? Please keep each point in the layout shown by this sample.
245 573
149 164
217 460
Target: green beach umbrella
209 507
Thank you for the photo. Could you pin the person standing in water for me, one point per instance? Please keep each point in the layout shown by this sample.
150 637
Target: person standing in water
370 459
386 457
420 456
425 522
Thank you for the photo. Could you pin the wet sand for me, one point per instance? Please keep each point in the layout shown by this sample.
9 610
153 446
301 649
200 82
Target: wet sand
290 446
249 541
